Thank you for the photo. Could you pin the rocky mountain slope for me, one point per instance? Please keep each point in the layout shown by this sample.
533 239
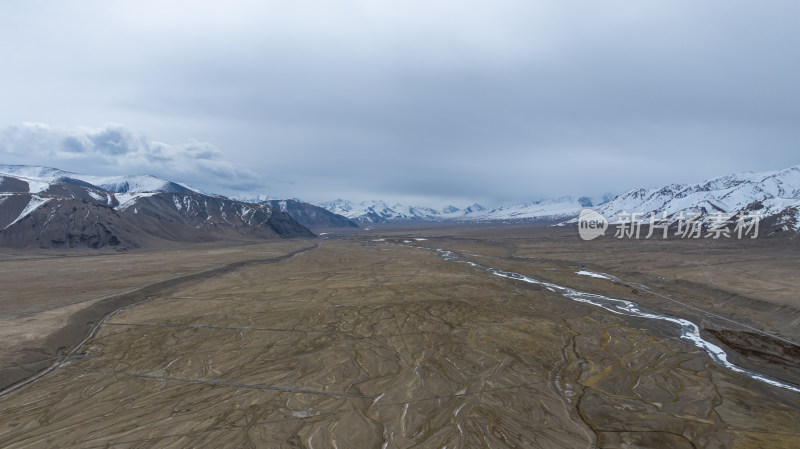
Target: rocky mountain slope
49 208
311 216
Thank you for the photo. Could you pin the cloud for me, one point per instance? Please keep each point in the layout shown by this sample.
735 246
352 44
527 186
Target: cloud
510 100
115 149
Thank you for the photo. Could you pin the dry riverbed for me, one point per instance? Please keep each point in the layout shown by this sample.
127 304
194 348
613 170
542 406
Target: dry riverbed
369 342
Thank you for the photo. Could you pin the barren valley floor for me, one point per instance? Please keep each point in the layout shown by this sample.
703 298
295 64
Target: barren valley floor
369 340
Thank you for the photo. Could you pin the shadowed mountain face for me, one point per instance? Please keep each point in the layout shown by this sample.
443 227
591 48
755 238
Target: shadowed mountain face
67 212
311 216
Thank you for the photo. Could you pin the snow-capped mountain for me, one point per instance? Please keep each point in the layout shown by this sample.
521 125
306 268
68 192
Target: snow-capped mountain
474 209
774 194
380 212
46 207
43 177
544 210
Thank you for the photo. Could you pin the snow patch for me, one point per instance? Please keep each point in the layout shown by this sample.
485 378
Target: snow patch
596 275
96 195
34 203
127 200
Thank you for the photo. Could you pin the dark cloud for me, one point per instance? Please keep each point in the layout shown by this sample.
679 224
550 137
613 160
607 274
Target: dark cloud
116 150
69 144
506 101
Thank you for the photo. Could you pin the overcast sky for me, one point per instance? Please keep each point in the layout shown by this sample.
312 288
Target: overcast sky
429 101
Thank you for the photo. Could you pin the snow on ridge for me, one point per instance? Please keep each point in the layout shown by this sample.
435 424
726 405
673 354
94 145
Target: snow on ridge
775 191
113 184
34 203
126 184
771 193
33 172
96 195
35 185
127 200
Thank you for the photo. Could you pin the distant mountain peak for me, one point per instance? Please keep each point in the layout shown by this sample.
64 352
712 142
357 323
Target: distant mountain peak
475 207
378 212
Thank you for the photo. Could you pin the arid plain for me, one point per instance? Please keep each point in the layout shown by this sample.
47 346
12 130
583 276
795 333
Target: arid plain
372 339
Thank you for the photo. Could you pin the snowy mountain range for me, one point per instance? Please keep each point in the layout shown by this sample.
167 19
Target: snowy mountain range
381 212
46 207
775 195
545 210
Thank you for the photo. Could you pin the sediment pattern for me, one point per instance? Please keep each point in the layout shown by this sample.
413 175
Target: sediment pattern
383 346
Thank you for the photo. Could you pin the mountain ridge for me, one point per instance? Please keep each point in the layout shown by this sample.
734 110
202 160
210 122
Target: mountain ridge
50 208
372 212
40 198
775 195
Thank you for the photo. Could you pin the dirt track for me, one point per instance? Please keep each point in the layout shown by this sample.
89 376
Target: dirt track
64 323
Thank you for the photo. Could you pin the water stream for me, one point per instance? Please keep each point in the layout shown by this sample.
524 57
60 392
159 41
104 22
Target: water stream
688 330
